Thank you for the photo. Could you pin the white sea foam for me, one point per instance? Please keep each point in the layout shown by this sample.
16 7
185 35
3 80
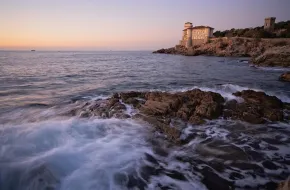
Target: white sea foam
227 90
284 69
69 154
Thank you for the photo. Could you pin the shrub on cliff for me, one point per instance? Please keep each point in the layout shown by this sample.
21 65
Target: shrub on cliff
282 29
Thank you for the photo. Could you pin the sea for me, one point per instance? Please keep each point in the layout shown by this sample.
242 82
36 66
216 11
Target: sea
43 148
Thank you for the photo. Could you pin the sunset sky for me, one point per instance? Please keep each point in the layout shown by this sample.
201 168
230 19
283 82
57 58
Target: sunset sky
122 24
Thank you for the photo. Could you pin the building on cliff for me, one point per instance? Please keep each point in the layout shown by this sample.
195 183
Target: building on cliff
195 35
269 23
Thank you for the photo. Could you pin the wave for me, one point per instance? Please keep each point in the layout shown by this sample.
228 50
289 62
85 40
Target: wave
227 90
284 69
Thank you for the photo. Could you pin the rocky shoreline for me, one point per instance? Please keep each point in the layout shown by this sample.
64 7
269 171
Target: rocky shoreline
263 52
162 109
170 114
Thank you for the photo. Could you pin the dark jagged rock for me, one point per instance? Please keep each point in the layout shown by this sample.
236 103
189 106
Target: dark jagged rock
162 109
257 107
214 181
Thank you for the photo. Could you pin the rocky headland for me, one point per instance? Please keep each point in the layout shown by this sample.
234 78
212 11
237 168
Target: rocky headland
263 52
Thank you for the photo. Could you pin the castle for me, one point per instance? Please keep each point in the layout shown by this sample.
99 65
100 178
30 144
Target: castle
195 35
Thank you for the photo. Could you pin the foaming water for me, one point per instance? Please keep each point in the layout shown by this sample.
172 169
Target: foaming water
70 154
227 90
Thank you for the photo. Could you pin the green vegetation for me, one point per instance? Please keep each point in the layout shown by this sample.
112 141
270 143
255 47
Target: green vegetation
282 30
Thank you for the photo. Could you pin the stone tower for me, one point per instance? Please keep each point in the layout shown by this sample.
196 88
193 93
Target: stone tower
269 23
188 34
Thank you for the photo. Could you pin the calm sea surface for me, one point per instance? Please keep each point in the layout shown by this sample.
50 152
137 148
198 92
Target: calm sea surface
72 153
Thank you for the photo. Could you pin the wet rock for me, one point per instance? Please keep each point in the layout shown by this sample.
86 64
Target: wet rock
112 101
133 94
222 150
161 125
133 101
213 181
134 182
196 120
118 106
269 186
166 51
270 165
191 107
209 110
260 98
285 77
257 107
155 108
231 104
176 175
151 159
254 118
183 113
236 175
248 166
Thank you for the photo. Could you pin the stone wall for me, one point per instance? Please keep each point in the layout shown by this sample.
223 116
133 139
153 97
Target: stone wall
198 34
201 35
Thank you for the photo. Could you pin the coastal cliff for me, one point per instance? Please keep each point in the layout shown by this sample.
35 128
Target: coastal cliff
263 52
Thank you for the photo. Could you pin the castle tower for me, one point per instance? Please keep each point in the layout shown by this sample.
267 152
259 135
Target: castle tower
269 23
188 32
187 25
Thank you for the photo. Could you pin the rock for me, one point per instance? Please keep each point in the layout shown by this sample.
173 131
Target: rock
254 97
252 118
172 100
155 108
169 113
213 181
284 185
125 95
231 104
257 107
112 101
167 51
209 110
162 125
184 112
270 165
274 56
285 77
222 150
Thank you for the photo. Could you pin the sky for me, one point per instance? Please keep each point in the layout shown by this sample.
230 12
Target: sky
123 24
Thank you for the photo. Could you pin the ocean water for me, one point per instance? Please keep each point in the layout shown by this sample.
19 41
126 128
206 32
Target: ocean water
43 148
